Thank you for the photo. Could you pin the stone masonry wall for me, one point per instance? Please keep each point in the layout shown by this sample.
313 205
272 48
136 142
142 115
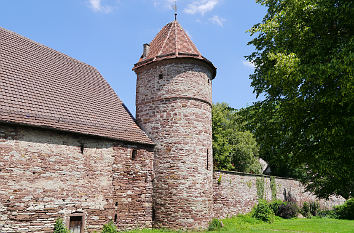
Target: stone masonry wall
132 182
236 193
44 176
173 106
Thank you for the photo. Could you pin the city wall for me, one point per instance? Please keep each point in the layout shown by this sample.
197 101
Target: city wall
236 193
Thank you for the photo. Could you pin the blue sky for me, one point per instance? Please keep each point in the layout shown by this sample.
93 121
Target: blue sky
109 34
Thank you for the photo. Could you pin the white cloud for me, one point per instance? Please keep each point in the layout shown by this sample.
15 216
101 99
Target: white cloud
97 6
164 3
217 20
248 64
201 6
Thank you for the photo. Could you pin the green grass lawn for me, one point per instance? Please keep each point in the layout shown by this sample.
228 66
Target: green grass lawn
246 224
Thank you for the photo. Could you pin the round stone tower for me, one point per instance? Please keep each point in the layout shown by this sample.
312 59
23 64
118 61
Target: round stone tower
173 106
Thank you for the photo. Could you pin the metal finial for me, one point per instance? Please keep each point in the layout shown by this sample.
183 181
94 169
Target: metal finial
175 8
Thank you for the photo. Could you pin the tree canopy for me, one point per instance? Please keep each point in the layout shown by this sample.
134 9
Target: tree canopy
234 149
262 120
304 67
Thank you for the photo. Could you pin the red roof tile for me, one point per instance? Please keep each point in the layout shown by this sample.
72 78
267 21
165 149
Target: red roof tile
42 87
172 42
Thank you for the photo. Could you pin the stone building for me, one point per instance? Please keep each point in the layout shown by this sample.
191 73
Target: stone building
70 149
68 146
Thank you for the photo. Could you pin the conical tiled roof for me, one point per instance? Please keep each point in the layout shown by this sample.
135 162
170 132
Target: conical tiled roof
171 42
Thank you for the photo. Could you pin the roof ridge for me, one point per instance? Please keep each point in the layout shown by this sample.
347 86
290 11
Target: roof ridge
176 35
164 43
190 44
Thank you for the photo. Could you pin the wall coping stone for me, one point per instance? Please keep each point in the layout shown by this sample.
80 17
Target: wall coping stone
250 174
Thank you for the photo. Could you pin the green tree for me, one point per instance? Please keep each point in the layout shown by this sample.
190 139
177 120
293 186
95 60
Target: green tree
234 149
304 67
262 120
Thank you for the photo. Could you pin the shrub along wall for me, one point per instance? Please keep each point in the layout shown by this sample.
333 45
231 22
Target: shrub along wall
236 193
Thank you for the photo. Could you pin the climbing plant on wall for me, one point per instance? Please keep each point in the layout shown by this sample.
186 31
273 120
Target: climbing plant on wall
260 187
273 188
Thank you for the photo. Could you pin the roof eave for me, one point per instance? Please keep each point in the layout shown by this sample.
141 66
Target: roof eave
183 56
43 126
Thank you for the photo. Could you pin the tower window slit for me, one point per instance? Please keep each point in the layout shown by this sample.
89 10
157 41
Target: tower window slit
207 165
153 213
160 76
134 152
82 147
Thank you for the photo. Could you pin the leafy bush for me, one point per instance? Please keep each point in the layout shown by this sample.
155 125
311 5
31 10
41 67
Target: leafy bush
262 211
59 226
305 210
288 210
274 205
284 209
327 214
109 228
314 208
215 225
346 211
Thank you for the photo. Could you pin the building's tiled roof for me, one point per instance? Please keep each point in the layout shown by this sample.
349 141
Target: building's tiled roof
42 87
172 42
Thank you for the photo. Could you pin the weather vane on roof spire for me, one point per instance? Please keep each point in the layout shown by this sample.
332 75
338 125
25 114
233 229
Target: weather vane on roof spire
175 8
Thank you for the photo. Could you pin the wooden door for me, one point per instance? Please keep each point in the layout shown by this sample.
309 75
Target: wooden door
75 225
